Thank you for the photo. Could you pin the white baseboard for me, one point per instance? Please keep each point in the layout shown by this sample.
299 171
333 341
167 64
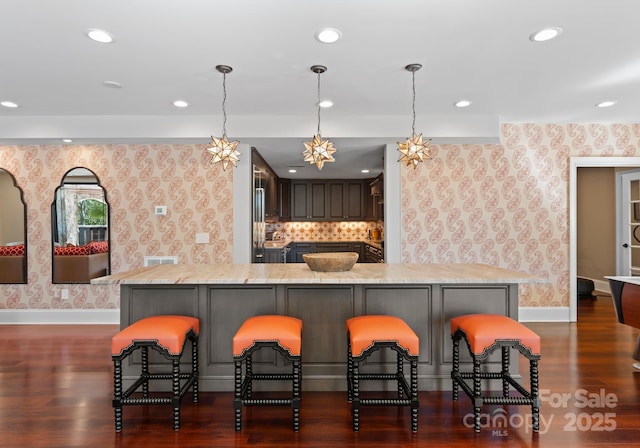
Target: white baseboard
78 317
544 314
602 285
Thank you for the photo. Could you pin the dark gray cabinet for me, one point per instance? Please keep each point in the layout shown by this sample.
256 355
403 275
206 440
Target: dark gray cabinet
334 247
346 200
308 200
299 249
284 199
275 255
330 200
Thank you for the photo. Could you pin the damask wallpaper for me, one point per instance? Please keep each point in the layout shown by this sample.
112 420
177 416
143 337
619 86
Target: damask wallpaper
504 204
136 178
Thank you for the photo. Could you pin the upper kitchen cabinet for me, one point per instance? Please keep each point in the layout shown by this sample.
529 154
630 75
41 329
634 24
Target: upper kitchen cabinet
346 200
374 203
284 199
309 200
266 178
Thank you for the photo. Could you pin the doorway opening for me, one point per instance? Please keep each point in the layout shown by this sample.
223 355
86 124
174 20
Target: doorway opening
575 163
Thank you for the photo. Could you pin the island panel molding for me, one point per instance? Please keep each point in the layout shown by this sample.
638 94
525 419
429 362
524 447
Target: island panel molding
224 296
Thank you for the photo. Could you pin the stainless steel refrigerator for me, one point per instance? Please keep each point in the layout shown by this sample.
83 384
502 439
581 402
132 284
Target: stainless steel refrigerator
259 226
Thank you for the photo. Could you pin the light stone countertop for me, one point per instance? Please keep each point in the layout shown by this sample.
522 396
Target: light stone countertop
299 273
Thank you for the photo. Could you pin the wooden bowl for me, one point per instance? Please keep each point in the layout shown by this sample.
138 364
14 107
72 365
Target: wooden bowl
331 261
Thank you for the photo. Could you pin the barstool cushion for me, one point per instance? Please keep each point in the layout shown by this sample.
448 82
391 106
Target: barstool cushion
483 330
365 331
169 332
286 331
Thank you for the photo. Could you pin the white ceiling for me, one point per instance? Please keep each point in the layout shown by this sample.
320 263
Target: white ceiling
166 50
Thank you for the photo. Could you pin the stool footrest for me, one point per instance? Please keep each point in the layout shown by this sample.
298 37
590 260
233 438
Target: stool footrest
267 401
406 392
271 376
282 334
155 328
471 382
384 402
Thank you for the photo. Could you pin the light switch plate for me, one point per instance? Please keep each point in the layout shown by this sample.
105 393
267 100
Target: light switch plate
160 210
202 238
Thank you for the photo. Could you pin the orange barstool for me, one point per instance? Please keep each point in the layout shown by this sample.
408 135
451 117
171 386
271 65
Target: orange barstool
281 333
483 334
365 335
167 335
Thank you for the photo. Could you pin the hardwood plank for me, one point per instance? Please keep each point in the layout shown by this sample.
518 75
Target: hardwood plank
56 388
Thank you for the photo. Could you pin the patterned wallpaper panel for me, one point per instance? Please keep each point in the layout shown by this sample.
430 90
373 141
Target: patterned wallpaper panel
136 178
505 205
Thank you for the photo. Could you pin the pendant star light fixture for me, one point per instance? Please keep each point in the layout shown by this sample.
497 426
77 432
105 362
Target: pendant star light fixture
318 151
414 149
222 150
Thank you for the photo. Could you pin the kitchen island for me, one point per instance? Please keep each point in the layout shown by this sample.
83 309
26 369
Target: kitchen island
426 296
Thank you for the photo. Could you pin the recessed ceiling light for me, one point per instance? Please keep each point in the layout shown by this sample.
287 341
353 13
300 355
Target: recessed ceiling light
325 103
8 104
112 84
364 171
462 103
67 140
180 103
606 104
292 170
328 35
101 36
545 34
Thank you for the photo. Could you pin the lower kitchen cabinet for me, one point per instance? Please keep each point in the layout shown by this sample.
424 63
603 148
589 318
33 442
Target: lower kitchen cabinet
275 255
301 248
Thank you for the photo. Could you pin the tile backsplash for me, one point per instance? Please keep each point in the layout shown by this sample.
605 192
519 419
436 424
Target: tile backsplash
318 231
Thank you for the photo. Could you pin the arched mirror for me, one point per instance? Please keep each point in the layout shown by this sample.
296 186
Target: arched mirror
80 229
13 231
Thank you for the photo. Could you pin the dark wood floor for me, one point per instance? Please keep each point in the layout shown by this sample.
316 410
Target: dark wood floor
56 389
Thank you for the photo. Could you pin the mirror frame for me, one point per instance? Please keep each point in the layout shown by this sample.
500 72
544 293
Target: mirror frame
25 265
54 217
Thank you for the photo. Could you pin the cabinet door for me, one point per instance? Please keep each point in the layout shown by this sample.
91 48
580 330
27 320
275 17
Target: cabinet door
346 200
353 200
359 249
337 209
334 247
299 249
318 200
273 255
299 201
284 199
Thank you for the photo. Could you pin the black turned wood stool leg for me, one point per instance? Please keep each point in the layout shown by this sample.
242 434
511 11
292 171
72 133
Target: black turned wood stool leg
243 385
117 393
407 393
180 382
460 380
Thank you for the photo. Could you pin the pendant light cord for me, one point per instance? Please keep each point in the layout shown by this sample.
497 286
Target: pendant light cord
413 124
224 101
318 104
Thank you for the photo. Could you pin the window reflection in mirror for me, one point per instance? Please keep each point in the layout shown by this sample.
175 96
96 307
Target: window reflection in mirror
13 231
80 229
